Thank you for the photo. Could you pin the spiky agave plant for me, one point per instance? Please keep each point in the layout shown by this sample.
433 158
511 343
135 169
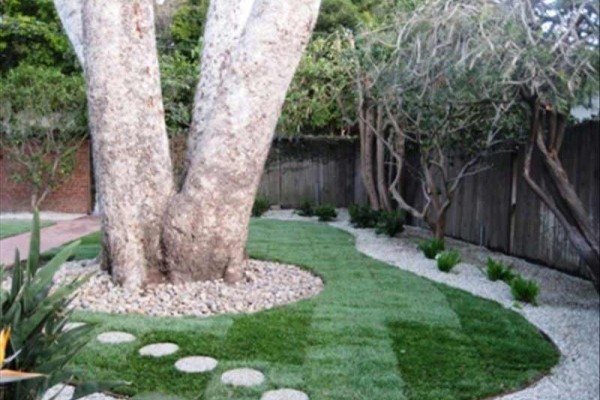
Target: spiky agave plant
37 317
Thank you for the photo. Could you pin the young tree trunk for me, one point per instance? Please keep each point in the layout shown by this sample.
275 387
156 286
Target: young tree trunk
130 146
367 138
206 225
382 184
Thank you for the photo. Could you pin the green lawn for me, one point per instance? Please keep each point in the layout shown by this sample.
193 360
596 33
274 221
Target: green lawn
12 227
375 332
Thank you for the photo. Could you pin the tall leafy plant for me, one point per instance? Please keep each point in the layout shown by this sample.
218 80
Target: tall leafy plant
36 315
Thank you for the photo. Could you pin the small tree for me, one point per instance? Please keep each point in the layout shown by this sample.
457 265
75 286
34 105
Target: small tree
42 124
432 86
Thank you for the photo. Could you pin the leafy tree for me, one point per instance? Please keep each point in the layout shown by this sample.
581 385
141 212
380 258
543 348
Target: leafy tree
30 32
42 124
428 82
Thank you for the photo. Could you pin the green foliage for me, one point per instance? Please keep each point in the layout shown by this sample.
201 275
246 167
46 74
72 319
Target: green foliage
524 290
326 213
42 124
31 33
317 101
336 14
362 216
179 76
432 247
306 209
187 28
261 205
37 317
390 223
446 260
496 270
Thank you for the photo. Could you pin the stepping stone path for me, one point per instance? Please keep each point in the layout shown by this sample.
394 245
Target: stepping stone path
159 349
115 337
196 364
243 377
72 325
284 394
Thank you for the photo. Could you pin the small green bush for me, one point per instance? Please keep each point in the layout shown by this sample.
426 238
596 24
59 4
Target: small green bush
36 317
524 290
306 209
326 213
390 222
362 216
261 206
432 247
497 271
446 260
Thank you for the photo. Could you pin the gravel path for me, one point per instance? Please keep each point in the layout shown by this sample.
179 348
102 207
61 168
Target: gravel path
265 285
568 310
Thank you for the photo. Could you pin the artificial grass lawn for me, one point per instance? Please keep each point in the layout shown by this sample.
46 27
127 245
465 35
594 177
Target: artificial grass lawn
375 332
12 227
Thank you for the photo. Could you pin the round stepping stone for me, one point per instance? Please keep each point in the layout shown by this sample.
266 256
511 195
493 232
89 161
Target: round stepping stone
196 364
115 337
284 394
243 377
72 325
159 349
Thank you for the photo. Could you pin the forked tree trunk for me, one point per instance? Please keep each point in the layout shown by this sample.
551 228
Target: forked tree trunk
250 54
206 225
130 146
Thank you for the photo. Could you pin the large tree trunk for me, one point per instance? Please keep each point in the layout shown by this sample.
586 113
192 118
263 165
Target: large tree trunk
206 225
130 146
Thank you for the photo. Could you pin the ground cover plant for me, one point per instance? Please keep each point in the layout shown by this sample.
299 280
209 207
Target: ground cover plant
261 205
447 260
390 223
12 227
432 247
326 213
306 209
374 333
524 290
496 270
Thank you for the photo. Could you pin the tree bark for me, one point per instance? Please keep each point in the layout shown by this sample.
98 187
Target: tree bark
206 225
130 146
367 138
382 184
561 197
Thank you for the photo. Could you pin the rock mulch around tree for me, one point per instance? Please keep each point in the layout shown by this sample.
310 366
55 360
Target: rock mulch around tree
158 349
243 377
284 394
264 286
115 337
196 364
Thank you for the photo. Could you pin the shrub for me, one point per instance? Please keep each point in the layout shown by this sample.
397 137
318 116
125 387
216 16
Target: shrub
362 216
306 209
432 247
326 213
36 318
496 270
261 206
446 260
390 222
524 290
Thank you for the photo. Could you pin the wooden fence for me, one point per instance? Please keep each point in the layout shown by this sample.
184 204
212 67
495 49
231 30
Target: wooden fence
495 209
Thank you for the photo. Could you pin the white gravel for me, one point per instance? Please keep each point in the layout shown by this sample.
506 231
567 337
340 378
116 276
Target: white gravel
196 364
242 377
264 286
568 310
